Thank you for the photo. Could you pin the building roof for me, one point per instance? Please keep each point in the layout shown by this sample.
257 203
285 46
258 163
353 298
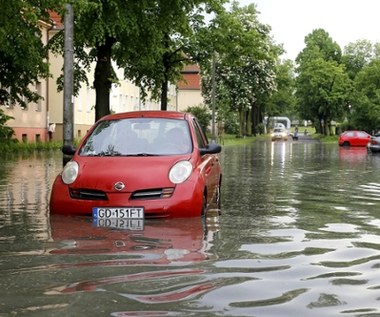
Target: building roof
191 78
57 20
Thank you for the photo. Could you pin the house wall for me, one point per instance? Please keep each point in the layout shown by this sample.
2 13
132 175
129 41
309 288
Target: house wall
189 89
189 98
30 124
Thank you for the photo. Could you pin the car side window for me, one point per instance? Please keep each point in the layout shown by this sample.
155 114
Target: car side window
201 137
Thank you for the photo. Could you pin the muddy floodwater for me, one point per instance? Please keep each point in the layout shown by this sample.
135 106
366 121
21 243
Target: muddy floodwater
299 235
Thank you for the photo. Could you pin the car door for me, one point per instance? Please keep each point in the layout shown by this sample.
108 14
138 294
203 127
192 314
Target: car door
362 138
210 161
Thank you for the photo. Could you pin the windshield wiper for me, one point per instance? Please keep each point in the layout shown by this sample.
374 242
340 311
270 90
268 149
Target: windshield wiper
142 154
106 154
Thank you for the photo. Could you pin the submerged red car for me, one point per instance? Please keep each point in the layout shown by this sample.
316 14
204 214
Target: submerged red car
136 165
354 138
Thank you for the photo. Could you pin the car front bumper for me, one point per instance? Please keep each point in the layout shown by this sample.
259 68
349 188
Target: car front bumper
186 201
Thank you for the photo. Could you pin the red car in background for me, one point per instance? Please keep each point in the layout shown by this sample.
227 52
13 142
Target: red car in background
136 165
354 138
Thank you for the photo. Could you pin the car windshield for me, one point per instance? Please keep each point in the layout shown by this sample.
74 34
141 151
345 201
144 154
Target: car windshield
138 137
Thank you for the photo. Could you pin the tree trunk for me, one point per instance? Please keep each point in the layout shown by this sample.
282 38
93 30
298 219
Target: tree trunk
164 95
166 63
254 118
103 78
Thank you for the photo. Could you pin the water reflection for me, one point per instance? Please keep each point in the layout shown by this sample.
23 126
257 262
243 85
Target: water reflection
166 243
24 195
159 242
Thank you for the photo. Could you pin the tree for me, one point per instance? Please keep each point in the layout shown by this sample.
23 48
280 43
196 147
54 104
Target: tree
244 63
283 102
319 44
322 85
365 108
23 56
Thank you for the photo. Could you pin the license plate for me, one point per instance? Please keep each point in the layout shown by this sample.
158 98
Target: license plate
118 213
117 223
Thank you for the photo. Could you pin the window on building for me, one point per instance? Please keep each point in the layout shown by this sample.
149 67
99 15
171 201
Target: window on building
24 138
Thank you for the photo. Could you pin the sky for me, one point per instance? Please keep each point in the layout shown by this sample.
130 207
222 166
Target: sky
346 21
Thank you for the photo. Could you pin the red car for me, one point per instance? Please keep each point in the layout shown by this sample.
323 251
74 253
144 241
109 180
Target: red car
136 165
354 138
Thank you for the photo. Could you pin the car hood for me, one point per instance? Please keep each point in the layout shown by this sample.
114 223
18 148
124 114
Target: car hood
101 173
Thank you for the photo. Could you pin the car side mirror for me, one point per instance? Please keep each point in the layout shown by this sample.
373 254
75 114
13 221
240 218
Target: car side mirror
211 148
68 149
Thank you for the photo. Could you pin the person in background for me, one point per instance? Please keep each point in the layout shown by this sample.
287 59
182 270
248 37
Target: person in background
51 131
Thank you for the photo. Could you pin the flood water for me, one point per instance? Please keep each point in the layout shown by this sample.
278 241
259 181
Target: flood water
299 235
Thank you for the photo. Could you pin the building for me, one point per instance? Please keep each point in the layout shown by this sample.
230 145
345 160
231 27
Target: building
189 89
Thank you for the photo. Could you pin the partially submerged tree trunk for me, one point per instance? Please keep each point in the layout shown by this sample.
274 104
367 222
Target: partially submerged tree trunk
103 78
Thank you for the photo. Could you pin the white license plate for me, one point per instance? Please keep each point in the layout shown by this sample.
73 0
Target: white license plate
118 213
130 224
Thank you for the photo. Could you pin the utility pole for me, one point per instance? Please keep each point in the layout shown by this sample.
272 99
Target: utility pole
213 98
68 73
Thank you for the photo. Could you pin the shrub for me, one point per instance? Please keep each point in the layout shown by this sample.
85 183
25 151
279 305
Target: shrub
6 133
202 114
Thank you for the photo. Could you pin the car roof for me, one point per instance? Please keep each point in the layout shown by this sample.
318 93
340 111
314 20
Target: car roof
147 114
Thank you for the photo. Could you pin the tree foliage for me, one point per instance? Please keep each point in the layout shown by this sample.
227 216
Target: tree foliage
365 107
283 102
23 56
357 55
244 57
149 40
323 86
6 132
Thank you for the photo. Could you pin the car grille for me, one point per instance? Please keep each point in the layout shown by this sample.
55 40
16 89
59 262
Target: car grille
88 194
153 193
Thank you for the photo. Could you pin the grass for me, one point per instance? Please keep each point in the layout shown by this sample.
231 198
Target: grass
18 147
326 138
230 139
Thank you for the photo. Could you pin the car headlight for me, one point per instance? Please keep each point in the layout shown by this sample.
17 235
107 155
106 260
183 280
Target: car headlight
180 172
70 172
